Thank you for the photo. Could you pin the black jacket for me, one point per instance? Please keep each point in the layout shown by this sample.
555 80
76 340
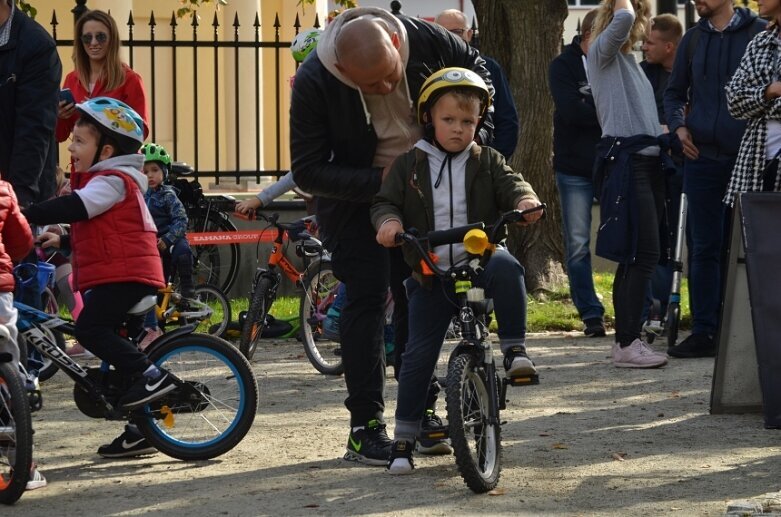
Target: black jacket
576 129
332 145
30 73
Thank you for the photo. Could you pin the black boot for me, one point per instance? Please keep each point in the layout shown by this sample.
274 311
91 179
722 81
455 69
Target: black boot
184 266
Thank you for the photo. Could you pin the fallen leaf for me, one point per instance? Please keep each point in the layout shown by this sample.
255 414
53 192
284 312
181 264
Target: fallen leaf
675 508
675 394
496 491
544 434
560 446
706 466
618 456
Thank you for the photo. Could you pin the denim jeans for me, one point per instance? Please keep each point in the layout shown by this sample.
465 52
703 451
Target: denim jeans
705 182
577 196
430 312
631 281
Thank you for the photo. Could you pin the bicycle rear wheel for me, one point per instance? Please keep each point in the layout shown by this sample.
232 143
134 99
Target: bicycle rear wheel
259 306
218 321
476 441
215 409
320 286
16 435
215 264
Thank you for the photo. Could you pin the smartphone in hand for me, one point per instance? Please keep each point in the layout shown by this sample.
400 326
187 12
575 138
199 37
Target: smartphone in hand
67 96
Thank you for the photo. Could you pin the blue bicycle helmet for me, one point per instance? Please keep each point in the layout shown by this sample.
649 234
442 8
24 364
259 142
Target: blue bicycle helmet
116 120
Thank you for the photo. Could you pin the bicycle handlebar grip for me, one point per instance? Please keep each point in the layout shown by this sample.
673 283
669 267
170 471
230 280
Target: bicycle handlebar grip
453 235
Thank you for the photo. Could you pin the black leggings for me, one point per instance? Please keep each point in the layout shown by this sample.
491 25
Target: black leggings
631 280
105 309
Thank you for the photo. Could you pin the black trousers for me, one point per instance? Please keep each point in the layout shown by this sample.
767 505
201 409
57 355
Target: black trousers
105 309
632 280
362 266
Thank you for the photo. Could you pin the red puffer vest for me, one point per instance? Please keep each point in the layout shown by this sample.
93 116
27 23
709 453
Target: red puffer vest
119 245
16 239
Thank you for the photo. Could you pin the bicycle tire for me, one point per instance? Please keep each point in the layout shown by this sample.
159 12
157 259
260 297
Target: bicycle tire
259 307
35 360
226 405
218 322
320 287
217 265
476 443
673 320
16 447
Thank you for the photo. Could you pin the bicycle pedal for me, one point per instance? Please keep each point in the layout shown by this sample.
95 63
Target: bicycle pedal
522 380
434 433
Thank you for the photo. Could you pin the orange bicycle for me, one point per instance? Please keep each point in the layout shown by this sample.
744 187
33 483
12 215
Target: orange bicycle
319 291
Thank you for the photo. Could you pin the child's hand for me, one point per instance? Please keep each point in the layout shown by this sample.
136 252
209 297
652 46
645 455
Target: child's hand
251 204
525 204
48 240
161 245
386 235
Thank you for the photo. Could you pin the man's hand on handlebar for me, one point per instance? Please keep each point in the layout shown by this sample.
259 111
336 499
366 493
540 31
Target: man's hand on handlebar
48 240
531 217
249 205
386 235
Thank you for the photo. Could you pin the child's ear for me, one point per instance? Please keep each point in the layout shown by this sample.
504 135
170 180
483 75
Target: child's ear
426 119
107 152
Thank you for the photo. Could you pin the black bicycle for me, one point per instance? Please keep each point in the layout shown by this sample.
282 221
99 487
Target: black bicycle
474 392
209 412
214 264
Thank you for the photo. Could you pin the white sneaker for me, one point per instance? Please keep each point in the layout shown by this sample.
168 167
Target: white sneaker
637 355
36 480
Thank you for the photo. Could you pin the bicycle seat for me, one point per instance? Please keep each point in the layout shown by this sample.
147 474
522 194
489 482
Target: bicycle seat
145 305
182 169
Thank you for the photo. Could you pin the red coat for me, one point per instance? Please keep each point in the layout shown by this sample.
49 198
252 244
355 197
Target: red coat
119 245
131 92
16 239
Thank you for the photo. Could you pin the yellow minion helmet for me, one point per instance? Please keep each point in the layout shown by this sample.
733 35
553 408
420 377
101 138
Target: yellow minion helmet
447 78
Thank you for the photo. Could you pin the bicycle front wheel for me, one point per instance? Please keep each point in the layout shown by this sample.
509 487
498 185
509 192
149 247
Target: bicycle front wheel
476 441
673 320
320 286
218 320
214 409
16 435
215 264
259 306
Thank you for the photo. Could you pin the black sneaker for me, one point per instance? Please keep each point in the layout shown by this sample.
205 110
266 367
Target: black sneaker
432 446
370 445
147 389
696 345
517 363
400 461
127 445
594 327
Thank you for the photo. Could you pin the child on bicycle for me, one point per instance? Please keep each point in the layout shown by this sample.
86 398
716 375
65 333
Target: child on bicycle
171 220
448 180
113 241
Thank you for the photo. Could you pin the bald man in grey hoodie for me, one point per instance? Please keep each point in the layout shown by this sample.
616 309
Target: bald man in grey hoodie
352 113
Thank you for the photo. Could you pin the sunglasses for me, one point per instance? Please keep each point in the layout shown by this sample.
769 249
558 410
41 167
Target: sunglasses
101 37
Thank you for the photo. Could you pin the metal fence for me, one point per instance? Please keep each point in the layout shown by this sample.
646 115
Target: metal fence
165 41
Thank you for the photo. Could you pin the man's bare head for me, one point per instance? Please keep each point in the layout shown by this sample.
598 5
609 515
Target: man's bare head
367 53
455 21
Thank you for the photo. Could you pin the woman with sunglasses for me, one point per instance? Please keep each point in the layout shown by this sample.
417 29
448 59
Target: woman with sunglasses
99 72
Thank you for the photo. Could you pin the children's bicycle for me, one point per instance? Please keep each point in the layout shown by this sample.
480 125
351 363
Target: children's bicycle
206 415
16 431
209 309
474 392
319 285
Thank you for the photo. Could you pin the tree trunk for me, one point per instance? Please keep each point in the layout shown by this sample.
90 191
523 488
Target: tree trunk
524 36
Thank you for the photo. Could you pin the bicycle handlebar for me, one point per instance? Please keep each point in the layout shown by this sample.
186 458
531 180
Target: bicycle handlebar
455 235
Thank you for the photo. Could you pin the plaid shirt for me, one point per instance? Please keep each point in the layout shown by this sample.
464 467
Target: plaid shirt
759 67
5 29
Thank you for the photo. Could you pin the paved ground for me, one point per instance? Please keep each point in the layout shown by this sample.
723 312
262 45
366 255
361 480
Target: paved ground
589 440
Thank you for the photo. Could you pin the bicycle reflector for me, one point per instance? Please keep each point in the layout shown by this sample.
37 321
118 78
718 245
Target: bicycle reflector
476 242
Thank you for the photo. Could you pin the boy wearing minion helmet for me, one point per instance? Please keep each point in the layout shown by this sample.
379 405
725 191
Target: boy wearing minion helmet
445 181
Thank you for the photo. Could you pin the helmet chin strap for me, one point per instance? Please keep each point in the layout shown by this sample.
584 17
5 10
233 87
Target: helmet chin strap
101 143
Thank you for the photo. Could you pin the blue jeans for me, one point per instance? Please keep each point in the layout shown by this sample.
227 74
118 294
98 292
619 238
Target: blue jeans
705 182
577 196
430 312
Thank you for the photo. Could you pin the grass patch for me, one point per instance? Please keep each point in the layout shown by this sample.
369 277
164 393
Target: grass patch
555 313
